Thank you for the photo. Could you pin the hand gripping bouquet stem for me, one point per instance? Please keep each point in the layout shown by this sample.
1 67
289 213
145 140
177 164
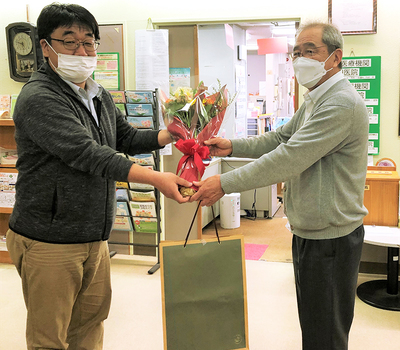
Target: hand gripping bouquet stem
193 117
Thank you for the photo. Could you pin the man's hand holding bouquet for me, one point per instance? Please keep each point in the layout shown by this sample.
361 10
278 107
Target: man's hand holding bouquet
193 117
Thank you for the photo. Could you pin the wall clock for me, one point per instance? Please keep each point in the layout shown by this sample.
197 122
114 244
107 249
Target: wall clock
24 51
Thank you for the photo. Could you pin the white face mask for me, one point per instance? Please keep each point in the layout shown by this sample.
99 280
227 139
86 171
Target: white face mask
308 71
74 68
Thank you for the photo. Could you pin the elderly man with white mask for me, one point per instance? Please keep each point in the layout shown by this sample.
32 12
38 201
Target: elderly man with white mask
321 155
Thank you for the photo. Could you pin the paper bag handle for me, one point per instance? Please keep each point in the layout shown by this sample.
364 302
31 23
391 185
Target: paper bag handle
194 217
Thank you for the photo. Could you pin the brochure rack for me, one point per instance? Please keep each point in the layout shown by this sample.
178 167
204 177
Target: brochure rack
142 237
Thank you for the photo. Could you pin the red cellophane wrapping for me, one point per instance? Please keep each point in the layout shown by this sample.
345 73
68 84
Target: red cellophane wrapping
192 118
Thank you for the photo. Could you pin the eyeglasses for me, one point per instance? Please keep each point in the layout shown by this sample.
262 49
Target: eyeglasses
308 53
73 44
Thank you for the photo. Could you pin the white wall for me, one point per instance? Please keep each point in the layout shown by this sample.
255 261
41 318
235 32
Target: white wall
215 57
218 61
134 15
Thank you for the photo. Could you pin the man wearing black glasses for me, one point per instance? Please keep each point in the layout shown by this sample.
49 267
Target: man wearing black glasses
321 155
68 135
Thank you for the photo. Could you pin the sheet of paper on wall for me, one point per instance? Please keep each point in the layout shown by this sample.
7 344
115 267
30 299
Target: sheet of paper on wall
152 59
107 79
178 77
152 65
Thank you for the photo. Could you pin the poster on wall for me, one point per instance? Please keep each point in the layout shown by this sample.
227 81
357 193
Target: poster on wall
178 77
107 70
364 73
152 65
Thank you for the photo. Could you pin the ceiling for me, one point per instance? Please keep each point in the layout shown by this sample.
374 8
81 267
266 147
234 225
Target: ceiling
264 30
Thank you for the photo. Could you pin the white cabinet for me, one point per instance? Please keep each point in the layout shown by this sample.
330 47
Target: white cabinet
264 200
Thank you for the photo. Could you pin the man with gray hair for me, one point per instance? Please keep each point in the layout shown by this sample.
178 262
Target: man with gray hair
321 155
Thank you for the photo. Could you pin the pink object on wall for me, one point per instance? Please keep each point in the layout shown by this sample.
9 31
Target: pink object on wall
272 45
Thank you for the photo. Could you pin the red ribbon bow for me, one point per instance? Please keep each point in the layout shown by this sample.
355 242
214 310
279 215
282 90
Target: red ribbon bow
191 149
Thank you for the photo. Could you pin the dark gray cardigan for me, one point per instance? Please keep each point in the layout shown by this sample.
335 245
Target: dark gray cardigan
67 164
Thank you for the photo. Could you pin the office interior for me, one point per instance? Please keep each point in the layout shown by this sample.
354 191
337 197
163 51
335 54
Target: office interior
136 308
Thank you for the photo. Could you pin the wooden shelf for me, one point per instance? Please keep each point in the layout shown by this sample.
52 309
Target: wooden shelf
4 210
7 141
8 168
7 131
6 122
4 219
5 257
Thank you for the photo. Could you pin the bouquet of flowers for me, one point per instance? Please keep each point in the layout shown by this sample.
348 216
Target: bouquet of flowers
192 117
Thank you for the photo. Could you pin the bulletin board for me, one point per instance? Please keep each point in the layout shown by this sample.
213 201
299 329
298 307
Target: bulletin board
204 294
364 73
112 41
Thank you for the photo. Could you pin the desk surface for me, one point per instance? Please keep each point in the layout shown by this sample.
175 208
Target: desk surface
386 236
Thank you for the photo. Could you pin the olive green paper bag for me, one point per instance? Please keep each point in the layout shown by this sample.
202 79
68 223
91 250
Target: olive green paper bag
204 294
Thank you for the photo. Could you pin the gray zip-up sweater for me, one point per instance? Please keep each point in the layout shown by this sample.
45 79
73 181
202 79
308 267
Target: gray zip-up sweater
67 164
323 163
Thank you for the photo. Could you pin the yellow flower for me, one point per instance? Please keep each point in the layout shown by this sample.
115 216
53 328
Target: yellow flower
183 94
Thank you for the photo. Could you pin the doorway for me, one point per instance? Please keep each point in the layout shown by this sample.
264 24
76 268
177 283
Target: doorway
270 88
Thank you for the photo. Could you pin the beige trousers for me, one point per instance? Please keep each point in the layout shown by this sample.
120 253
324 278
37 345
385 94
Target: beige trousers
67 292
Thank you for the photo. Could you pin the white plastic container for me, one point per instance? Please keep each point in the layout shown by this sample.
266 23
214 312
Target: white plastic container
230 211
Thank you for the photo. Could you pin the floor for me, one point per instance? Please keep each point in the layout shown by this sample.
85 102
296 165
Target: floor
272 232
135 320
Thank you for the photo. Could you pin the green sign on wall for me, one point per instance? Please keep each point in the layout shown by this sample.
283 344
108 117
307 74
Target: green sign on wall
365 75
